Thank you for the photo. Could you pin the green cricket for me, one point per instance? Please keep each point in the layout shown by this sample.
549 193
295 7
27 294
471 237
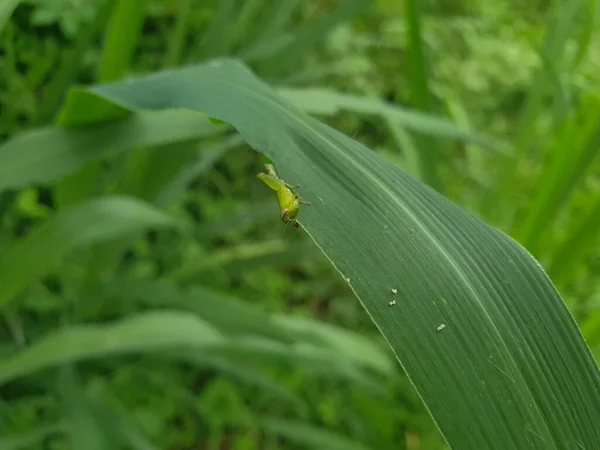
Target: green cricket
289 201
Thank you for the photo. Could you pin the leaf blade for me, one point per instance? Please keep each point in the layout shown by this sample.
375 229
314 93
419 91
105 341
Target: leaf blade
510 364
95 221
148 331
328 102
46 154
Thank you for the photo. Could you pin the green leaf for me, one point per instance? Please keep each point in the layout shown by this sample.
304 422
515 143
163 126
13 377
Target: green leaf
353 346
221 309
509 369
151 331
420 93
475 158
313 33
328 102
122 35
315 347
587 32
237 316
219 35
309 436
543 87
99 220
46 154
177 38
70 65
316 361
121 428
272 23
572 156
81 425
284 50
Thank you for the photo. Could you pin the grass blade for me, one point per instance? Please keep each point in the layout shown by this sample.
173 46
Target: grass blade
560 29
273 21
508 340
420 94
575 151
238 318
217 39
120 427
290 47
147 332
121 38
256 336
47 154
71 65
97 221
309 436
475 157
585 39
82 427
323 101
177 38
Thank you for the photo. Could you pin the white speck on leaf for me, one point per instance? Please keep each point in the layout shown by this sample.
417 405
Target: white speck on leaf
347 280
394 291
392 303
441 327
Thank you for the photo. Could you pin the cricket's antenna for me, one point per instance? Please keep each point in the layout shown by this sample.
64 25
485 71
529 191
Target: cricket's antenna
285 227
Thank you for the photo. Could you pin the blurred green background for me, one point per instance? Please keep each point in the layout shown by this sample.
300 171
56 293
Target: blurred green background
305 367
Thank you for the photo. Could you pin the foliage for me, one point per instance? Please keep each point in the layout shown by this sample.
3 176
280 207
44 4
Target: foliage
149 297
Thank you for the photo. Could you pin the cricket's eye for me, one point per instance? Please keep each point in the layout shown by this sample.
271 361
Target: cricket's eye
284 215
